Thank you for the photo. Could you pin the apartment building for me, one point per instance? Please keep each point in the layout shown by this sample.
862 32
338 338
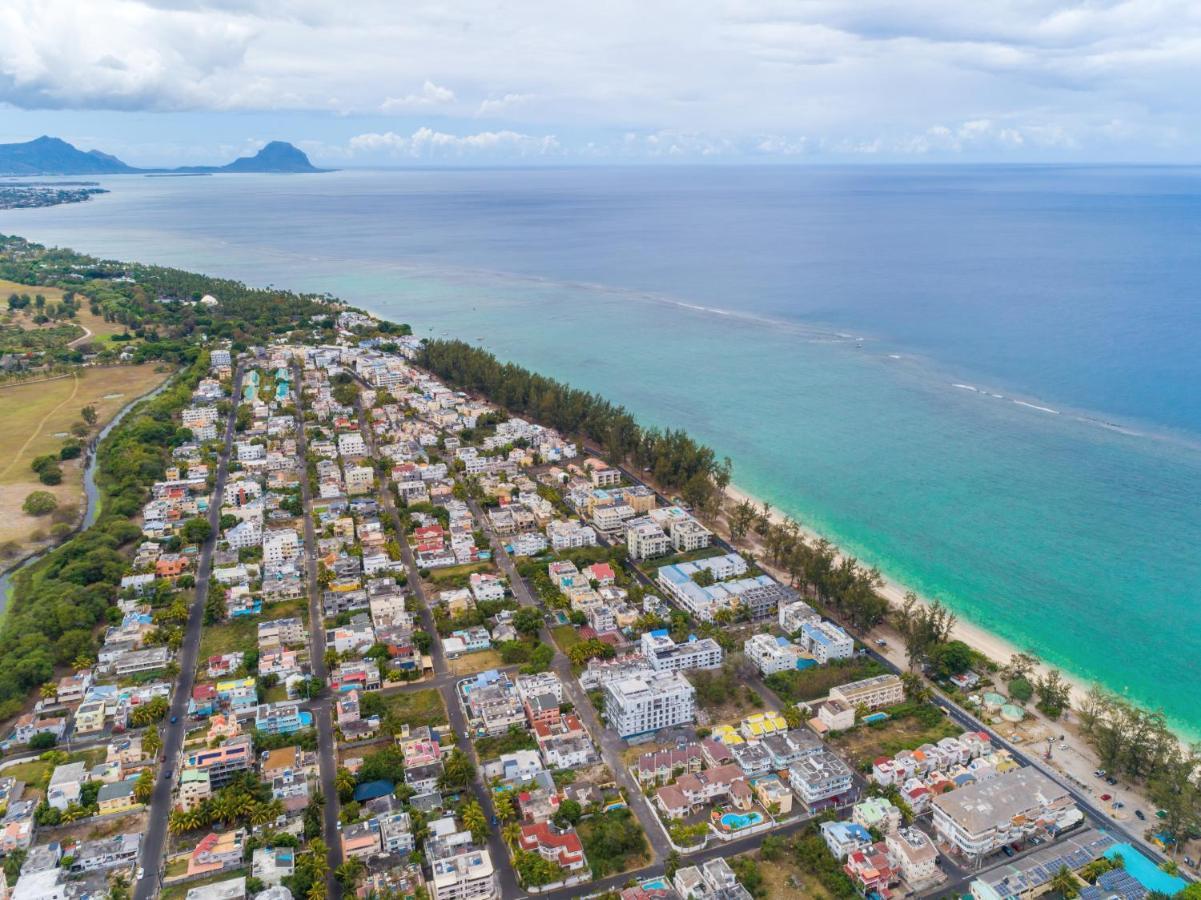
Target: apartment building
665 655
874 693
637 705
818 778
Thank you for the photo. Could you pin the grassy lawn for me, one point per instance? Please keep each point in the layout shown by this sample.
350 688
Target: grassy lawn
566 636
452 573
38 417
416 708
814 683
176 867
36 773
613 843
924 725
100 329
243 633
470 663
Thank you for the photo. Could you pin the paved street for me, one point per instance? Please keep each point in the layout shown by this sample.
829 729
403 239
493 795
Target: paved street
321 707
154 841
443 680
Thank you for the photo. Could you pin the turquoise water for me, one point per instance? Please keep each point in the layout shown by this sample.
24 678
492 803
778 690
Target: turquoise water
1146 872
737 821
982 381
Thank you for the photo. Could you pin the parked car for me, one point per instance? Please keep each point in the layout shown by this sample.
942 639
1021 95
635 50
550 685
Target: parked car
1111 780
174 719
1007 850
1106 797
1140 815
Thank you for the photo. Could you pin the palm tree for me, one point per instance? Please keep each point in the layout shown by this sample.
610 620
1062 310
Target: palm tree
152 742
511 834
1064 883
180 820
49 691
344 780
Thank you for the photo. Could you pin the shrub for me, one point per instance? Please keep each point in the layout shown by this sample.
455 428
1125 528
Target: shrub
40 503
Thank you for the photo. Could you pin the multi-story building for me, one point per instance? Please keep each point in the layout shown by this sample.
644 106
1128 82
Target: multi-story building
818 778
280 718
978 819
792 616
280 545
459 870
914 853
665 655
688 535
224 761
772 654
645 539
637 705
825 641
874 693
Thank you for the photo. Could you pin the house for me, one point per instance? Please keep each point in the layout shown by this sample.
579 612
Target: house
271 865
561 847
843 838
459 870
106 853
773 794
195 786
217 851
115 798
66 784
361 840
281 718
663 766
825 641
871 869
878 813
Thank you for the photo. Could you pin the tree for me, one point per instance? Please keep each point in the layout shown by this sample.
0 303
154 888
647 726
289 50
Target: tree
1021 689
1064 883
349 873
952 658
89 414
1054 694
143 788
528 621
568 813
196 531
457 771
475 821
152 742
1021 664
506 810
39 503
345 782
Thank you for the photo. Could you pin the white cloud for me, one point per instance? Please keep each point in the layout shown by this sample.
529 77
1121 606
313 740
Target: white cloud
426 143
430 95
711 78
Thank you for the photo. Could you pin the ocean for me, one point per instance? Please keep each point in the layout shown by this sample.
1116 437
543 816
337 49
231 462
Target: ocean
984 380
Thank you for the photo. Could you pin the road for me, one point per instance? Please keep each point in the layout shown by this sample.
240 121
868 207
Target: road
327 758
610 744
964 718
443 678
154 841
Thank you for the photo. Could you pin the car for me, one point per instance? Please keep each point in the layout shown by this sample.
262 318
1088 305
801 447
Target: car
140 874
1007 850
880 642
1118 804
1100 773
494 821
167 774
1140 815
174 719
1106 797
1111 780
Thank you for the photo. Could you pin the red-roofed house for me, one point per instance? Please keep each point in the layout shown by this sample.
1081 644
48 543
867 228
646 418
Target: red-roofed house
872 870
560 847
601 573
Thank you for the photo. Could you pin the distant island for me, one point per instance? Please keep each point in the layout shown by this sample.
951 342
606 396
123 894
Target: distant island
53 156
32 195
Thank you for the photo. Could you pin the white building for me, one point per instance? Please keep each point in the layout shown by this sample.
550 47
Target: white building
280 546
665 655
459 870
359 479
645 539
351 444
819 777
793 616
772 654
636 705
874 693
825 641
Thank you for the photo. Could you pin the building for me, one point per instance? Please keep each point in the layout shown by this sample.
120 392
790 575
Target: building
665 655
844 838
107 853
825 641
281 718
915 854
645 539
637 705
875 693
563 848
793 616
224 761
271 865
978 819
819 778
459 870
361 840
115 798
772 654
878 813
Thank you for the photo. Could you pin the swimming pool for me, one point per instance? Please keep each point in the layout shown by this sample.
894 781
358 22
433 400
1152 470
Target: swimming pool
737 821
1146 872
655 884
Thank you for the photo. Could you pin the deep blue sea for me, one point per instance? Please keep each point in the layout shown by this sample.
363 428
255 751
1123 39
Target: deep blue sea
985 380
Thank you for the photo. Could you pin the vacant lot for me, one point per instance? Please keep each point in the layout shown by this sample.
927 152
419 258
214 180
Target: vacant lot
815 682
38 418
242 634
925 725
566 636
415 708
470 663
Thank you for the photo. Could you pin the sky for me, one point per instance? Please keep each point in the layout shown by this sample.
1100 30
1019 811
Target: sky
415 82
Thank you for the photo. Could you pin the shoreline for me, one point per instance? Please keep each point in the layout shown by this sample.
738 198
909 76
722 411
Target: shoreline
991 645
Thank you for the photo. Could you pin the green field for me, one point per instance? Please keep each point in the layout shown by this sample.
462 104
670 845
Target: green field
242 634
415 708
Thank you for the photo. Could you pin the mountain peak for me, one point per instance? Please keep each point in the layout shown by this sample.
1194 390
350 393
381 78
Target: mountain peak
276 156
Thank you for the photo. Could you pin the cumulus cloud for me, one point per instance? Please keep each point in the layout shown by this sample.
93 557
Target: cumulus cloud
709 79
430 95
426 143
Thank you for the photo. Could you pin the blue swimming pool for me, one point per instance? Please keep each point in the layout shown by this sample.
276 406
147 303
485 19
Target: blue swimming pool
655 884
1146 872
738 821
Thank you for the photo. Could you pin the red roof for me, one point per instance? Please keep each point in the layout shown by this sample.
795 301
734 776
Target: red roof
566 845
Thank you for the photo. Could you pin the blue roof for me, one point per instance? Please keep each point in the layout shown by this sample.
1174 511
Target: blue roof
372 789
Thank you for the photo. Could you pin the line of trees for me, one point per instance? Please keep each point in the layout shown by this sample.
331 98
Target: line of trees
673 459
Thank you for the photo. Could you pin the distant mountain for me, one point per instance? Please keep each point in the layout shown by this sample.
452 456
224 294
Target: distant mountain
53 156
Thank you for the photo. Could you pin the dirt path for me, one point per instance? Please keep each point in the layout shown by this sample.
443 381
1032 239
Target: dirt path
42 424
